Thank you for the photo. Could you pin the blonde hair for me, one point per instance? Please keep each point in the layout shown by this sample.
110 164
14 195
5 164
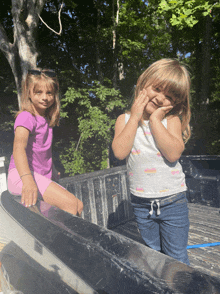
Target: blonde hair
52 84
172 77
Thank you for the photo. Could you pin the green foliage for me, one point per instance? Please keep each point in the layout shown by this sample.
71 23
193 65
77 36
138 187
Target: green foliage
95 107
146 31
186 13
142 38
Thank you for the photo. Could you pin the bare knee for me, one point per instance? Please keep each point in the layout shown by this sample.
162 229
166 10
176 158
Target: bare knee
61 198
80 206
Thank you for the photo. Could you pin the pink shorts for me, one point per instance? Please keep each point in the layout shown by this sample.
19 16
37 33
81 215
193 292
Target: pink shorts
15 183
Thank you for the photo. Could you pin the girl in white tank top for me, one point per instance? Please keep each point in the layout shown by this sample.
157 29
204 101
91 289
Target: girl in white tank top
152 137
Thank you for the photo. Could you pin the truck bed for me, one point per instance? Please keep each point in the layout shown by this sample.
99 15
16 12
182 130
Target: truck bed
96 253
106 201
204 228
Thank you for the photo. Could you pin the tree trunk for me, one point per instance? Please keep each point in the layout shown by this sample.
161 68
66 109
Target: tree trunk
115 23
198 62
203 58
206 56
22 54
98 60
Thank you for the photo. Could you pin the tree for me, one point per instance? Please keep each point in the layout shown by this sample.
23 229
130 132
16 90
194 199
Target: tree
95 104
102 37
200 18
22 53
186 13
96 108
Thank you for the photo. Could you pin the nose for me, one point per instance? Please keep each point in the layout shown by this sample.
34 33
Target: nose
160 98
45 98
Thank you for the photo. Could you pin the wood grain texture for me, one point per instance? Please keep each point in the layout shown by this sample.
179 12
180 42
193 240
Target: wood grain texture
204 228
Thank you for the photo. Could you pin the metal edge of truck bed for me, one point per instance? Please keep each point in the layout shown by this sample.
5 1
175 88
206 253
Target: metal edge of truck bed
72 255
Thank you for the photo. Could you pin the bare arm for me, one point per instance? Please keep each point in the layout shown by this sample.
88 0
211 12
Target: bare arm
29 189
169 141
125 133
124 137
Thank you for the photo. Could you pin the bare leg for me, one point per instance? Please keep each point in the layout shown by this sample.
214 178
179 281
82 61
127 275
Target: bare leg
63 199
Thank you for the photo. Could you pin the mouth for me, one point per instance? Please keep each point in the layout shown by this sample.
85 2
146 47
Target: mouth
155 105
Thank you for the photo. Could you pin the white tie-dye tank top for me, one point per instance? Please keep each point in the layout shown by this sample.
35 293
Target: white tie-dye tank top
150 174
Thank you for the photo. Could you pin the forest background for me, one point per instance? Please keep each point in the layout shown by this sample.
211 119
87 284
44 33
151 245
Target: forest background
103 48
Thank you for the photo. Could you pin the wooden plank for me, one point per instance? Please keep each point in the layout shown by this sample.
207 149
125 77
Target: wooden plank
204 228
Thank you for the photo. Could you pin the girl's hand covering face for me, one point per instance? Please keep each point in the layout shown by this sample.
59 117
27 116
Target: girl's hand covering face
160 103
139 105
161 112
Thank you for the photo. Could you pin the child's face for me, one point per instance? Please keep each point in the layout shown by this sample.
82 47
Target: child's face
41 97
157 98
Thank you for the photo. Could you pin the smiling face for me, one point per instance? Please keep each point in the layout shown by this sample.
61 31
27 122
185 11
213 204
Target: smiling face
42 97
157 98
170 78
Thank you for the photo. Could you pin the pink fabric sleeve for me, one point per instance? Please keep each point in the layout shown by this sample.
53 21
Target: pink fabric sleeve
25 119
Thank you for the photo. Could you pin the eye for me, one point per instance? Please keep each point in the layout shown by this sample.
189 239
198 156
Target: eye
171 99
157 89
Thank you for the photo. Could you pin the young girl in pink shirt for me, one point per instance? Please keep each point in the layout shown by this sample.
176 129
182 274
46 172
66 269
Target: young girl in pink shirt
31 170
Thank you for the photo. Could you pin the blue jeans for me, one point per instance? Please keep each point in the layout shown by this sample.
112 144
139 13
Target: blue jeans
164 226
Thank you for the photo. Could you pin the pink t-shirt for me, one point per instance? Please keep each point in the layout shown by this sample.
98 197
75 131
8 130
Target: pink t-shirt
39 151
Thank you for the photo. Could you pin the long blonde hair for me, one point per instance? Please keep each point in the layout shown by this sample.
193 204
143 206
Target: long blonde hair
52 84
173 77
